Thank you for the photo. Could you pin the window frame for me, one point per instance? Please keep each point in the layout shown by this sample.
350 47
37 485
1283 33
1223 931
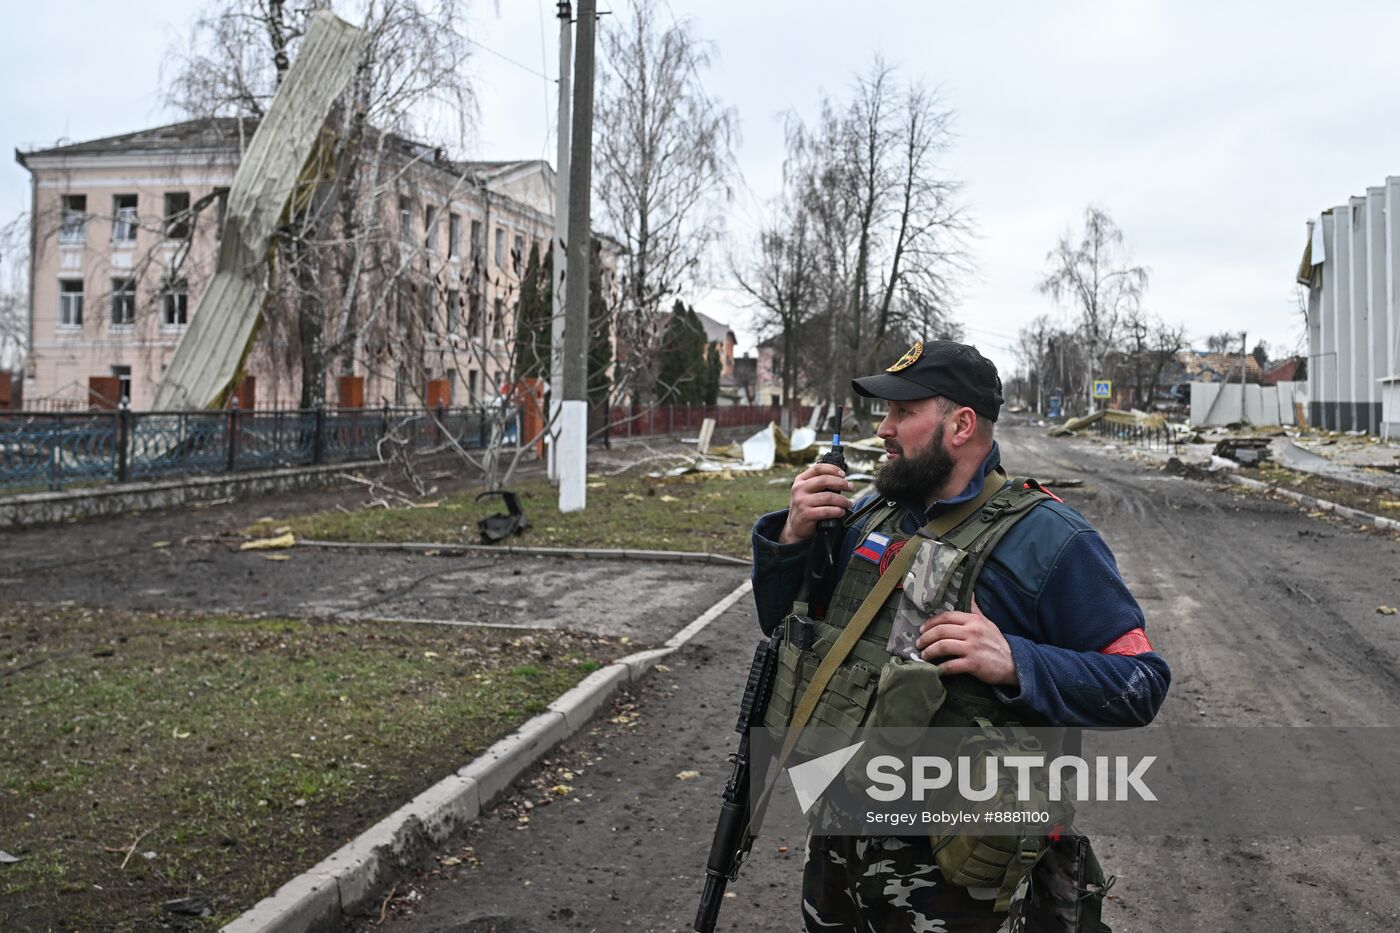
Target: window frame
66 305
124 298
430 225
125 219
72 227
454 236
176 224
175 297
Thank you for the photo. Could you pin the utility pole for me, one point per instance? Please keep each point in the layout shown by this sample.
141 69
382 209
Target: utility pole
561 230
573 413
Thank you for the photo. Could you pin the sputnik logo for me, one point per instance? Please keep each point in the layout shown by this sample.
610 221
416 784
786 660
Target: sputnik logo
811 778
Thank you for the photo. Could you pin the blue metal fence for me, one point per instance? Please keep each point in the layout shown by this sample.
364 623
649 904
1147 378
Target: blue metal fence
51 450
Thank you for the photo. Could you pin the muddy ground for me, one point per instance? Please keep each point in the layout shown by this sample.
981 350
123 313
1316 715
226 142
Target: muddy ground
1266 615
115 562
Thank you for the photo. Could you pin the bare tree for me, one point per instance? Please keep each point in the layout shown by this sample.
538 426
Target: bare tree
885 225
1149 344
664 163
14 293
1092 277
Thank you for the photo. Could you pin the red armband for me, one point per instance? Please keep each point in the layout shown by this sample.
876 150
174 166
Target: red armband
1129 644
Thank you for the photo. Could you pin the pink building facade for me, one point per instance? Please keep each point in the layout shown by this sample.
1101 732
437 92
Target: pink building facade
125 235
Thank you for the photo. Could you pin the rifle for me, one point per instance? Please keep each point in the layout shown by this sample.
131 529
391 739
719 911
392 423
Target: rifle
733 841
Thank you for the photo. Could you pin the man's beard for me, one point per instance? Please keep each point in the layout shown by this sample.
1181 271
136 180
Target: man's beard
914 478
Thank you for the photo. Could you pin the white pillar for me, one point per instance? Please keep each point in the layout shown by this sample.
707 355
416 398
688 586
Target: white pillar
1341 339
573 448
1360 317
1377 341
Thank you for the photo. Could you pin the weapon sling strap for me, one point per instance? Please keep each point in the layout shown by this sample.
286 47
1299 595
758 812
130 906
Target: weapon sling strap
854 629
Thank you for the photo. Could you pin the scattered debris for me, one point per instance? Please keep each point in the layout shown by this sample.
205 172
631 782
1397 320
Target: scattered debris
1387 610
159 545
284 540
687 775
1249 451
8 859
188 906
496 528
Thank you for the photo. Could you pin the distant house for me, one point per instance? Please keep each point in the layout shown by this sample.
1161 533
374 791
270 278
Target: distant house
1203 366
1293 369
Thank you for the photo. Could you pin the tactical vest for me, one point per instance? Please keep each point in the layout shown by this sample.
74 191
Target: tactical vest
872 688
850 696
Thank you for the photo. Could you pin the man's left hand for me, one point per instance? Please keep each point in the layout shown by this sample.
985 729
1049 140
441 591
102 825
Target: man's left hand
971 642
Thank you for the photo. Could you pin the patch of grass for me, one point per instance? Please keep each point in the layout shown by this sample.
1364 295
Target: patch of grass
238 752
694 512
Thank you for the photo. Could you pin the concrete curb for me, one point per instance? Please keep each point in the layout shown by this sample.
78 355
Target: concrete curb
491 550
40 508
1322 505
321 898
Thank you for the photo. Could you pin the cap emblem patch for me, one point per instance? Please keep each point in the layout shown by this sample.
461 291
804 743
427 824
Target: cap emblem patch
910 357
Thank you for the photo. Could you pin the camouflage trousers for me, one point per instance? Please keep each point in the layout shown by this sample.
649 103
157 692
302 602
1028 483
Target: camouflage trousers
886 884
891 884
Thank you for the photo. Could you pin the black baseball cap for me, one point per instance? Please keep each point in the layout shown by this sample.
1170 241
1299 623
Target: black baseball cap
939 367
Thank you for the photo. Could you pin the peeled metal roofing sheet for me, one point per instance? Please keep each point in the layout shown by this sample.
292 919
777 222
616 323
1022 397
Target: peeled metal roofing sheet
212 350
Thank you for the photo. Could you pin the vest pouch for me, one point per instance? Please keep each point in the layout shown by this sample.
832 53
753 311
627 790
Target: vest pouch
788 684
910 694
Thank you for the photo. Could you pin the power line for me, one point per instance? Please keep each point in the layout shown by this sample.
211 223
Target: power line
507 58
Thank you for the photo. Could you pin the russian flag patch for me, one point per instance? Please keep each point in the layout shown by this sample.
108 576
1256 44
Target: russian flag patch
873 547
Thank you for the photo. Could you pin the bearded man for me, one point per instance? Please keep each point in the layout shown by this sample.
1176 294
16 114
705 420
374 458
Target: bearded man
1051 634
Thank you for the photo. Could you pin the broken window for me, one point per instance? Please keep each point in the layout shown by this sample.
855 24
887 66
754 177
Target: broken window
454 236
177 215
70 303
517 253
476 239
430 218
500 248
123 377
454 313
221 199
124 218
74 218
498 321
473 314
175 305
406 220
123 302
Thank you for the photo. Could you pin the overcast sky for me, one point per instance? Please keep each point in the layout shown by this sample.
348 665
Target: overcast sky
1210 131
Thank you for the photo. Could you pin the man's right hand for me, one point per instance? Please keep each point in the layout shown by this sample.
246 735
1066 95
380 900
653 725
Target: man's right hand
816 496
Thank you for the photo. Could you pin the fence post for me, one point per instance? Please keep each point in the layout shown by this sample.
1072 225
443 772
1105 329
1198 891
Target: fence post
231 437
123 440
318 439
55 450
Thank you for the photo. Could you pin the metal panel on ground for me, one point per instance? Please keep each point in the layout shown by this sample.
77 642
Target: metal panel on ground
209 355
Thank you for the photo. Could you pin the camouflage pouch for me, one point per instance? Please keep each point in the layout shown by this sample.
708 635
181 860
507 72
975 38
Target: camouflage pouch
1063 893
999 862
931 586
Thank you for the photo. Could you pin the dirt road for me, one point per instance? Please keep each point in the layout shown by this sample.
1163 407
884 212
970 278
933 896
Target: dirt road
1266 615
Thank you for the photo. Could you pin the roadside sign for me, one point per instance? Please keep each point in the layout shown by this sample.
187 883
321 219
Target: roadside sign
1103 388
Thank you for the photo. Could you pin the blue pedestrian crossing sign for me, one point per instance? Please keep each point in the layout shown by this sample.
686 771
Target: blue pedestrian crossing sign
1103 388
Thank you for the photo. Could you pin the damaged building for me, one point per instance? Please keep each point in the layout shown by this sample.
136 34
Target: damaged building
1350 266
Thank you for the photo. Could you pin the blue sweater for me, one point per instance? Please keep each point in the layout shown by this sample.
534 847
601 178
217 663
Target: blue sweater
1053 588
